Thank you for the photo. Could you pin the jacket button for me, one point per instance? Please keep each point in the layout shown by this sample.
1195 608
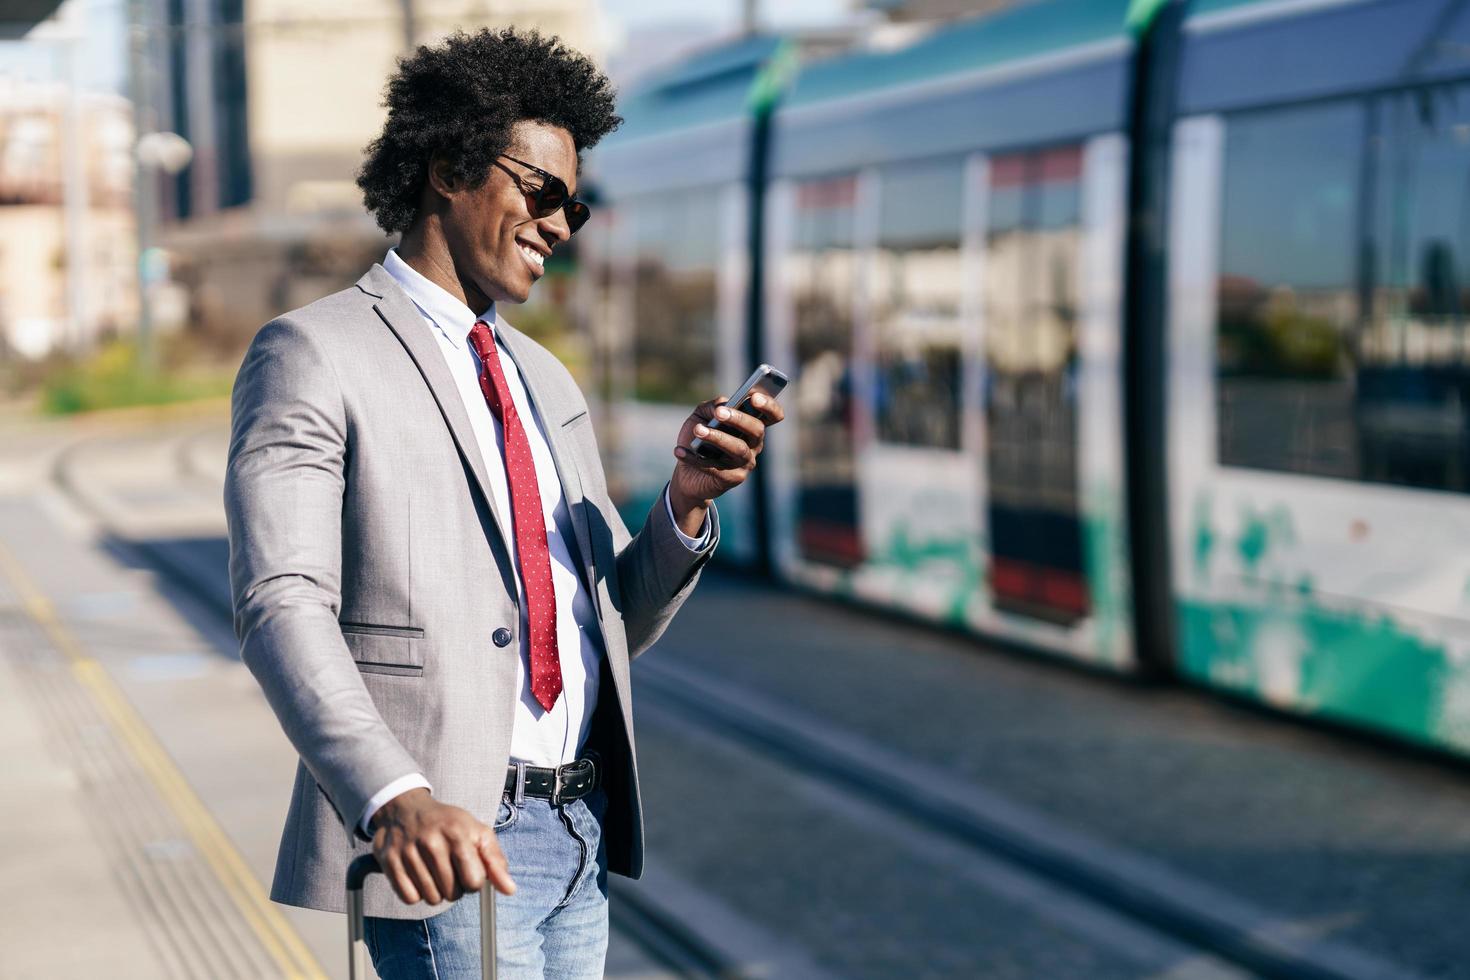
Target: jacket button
501 637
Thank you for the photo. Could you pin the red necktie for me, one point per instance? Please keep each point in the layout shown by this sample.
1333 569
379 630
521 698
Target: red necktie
532 554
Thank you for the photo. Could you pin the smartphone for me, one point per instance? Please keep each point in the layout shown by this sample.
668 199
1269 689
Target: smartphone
767 380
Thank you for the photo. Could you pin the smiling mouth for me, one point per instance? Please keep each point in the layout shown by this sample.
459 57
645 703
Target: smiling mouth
533 258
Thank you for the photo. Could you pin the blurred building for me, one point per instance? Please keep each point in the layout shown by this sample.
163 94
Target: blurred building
36 314
278 99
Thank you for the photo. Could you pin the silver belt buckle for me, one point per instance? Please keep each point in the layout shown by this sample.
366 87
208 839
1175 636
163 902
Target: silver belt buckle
556 775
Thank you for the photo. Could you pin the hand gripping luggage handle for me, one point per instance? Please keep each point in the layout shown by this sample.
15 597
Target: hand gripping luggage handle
357 875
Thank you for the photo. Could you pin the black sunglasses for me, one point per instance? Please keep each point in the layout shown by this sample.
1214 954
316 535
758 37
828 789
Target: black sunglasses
551 195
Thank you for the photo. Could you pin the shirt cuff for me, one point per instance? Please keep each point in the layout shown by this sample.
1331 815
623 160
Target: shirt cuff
693 544
399 786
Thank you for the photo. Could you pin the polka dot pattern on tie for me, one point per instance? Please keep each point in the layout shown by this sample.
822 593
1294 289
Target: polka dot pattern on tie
533 554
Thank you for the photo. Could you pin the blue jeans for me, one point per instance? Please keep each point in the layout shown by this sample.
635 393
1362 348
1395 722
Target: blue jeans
555 925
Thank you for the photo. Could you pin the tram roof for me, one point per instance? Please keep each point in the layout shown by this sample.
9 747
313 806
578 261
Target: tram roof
693 111
709 86
1005 37
713 85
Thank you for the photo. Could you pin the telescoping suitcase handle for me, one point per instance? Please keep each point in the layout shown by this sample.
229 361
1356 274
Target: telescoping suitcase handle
357 875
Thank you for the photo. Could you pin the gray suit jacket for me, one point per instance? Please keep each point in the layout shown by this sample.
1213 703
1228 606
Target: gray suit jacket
368 572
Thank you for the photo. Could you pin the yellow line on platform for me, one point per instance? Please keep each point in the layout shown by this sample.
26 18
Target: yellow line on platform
275 933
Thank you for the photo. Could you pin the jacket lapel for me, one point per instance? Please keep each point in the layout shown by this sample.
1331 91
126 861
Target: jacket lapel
404 319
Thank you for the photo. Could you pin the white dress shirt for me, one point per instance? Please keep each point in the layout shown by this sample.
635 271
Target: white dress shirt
539 737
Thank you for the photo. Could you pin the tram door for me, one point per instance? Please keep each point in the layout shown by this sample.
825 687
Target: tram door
824 269
1033 240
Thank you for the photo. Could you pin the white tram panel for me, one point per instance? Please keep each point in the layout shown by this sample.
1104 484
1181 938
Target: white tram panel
1280 576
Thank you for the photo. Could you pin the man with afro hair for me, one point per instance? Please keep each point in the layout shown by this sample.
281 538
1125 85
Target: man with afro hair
429 580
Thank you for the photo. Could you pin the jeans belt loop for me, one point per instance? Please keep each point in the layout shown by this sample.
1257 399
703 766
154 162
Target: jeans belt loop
520 793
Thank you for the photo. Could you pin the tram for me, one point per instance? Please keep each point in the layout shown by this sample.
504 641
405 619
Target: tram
1144 349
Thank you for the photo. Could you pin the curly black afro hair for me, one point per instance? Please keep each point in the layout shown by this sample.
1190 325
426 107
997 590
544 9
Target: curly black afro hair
460 99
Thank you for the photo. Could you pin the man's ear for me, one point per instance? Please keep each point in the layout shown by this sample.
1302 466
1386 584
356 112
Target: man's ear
442 178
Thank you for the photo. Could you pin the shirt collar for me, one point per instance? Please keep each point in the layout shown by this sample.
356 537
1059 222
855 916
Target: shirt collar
452 317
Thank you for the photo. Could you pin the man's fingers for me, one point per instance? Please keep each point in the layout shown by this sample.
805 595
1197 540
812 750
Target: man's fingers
747 426
399 878
706 410
692 458
731 444
769 409
419 874
497 866
738 440
435 852
469 868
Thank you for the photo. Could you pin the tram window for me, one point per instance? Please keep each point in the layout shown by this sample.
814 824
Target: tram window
823 271
1033 245
1413 383
917 309
1287 295
675 299
1343 343
1033 233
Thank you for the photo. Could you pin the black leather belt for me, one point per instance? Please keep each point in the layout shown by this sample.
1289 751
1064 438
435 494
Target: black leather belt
560 785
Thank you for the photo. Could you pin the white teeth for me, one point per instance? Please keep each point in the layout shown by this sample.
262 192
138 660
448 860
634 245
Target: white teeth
534 257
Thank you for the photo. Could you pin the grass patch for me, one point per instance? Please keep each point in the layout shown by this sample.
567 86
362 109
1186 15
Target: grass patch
114 377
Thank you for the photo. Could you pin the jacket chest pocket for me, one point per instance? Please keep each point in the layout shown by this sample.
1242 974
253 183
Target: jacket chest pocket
578 431
382 649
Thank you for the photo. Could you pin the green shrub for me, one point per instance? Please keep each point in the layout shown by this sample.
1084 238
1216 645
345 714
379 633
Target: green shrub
114 377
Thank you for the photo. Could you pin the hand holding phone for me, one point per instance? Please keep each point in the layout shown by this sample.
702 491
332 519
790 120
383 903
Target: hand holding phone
768 381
